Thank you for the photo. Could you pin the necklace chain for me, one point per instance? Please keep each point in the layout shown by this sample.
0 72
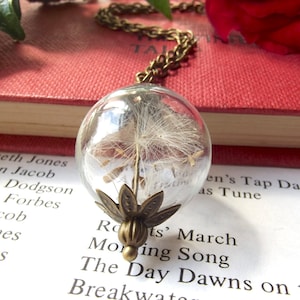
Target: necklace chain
163 63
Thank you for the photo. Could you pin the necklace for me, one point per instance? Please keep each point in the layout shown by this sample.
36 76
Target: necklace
143 150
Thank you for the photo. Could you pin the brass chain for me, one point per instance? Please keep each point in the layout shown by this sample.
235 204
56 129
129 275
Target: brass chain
163 63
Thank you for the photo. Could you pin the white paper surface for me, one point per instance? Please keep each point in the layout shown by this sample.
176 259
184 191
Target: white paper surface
240 238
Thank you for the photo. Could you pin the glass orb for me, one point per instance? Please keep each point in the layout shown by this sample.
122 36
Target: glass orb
147 137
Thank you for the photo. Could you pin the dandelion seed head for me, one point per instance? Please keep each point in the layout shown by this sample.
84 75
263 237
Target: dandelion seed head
155 140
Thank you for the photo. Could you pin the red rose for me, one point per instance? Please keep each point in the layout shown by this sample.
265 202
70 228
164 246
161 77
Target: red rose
272 24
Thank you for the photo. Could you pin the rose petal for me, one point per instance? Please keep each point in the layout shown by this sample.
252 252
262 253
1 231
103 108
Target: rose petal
272 24
252 24
283 40
271 46
222 16
263 8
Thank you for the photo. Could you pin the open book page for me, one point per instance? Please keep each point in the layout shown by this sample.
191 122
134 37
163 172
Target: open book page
238 239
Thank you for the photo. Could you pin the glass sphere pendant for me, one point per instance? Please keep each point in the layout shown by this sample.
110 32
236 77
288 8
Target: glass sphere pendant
142 152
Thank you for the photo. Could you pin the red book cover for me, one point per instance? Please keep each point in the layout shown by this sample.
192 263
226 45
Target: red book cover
68 62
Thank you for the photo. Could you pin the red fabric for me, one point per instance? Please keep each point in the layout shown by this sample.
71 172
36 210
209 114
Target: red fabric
272 24
227 155
37 144
256 156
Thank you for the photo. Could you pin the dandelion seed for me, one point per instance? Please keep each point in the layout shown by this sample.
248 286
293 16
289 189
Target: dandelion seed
113 174
105 163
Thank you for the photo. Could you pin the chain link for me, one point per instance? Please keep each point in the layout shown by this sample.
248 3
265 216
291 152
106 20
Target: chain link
163 63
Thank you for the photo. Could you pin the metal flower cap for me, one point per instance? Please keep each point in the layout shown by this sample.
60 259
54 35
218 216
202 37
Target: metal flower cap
135 219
